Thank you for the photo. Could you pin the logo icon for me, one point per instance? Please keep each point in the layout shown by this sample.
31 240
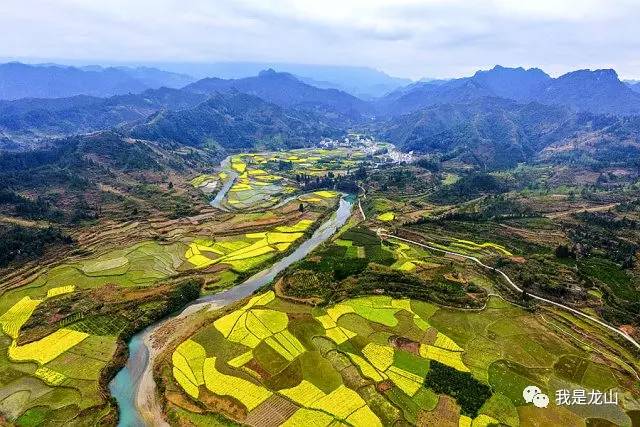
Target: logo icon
533 394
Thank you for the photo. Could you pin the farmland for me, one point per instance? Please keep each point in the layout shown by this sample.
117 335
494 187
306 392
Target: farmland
420 336
363 331
364 361
265 179
67 356
63 324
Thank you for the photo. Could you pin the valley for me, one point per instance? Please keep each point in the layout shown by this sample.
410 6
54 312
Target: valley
261 252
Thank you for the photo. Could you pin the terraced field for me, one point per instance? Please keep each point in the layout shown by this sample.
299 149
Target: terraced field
55 377
364 362
248 251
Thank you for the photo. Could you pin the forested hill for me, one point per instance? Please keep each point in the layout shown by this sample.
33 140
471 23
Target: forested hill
30 118
495 133
80 177
493 119
287 91
237 121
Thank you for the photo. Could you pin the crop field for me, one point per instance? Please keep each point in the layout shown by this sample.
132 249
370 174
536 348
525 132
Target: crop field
245 252
56 374
364 362
55 377
386 216
266 179
204 180
138 265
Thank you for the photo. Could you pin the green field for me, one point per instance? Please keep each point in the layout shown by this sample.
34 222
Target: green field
55 377
364 331
245 252
372 355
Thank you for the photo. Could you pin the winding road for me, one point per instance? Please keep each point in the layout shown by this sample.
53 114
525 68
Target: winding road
517 288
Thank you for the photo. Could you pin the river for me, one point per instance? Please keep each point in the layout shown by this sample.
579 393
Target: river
225 166
133 387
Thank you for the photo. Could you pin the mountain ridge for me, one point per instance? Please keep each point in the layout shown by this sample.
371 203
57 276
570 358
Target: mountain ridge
286 90
595 91
18 80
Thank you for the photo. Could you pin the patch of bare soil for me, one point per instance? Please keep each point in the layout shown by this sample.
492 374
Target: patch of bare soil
224 405
446 414
272 412
402 343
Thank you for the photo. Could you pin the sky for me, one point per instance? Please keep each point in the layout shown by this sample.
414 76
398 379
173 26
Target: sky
405 38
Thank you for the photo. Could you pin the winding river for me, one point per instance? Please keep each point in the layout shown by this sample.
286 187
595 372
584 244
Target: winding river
225 166
133 387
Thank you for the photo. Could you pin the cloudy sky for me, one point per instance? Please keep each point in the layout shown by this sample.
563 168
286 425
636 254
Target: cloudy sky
407 38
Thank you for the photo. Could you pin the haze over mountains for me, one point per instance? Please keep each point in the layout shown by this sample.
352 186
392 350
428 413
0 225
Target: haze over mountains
286 90
364 82
598 91
56 81
492 119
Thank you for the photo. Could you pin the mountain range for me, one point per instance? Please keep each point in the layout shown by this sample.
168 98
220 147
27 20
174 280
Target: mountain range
28 118
287 91
235 121
19 80
363 82
496 133
599 91
493 119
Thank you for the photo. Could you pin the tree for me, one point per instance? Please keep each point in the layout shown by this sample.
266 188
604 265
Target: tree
361 173
563 251
301 207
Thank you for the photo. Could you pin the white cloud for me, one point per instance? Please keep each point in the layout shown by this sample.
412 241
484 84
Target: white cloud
404 37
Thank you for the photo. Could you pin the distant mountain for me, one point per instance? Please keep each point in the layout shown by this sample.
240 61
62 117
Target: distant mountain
30 118
287 91
235 121
598 91
513 83
363 82
154 78
55 81
366 92
634 85
490 132
423 94
495 133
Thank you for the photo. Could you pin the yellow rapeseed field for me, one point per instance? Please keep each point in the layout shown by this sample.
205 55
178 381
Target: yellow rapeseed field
47 348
